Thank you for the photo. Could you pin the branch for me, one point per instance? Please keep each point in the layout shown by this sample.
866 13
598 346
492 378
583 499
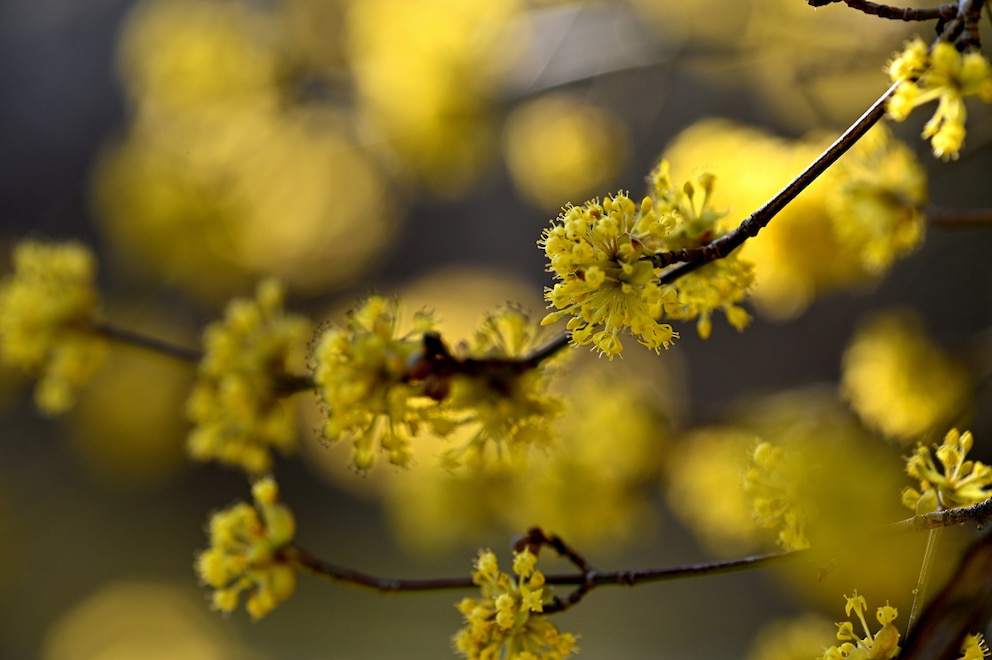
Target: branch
587 577
959 218
980 513
139 340
751 225
943 12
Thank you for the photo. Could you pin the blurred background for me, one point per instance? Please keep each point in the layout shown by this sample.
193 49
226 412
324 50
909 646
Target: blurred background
419 147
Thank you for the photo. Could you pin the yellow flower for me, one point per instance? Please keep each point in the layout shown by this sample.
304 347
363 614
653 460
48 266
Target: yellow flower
361 374
960 483
596 251
506 621
881 378
883 645
46 320
506 410
246 553
237 405
947 75
974 647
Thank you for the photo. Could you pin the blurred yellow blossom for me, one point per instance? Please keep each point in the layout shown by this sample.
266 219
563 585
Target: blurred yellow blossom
790 639
237 405
944 74
773 483
246 553
704 488
222 172
959 483
810 247
506 621
360 372
882 645
47 308
425 72
876 200
560 148
181 56
595 251
881 379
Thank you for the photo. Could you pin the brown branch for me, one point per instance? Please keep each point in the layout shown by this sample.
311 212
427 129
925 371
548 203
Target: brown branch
146 342
944 12
959 218
751 225
587 578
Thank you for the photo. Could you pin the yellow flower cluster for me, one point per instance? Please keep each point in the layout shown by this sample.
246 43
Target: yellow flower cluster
600 252
246 553
237 405
361 372
46 320
506 411
883 645
881 379
772 481
605 462
943 74
960 483
506 622
718 285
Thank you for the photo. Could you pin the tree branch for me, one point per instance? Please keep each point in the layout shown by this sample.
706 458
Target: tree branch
146 342
587 577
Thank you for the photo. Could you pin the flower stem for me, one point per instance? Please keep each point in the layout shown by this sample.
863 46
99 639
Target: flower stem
926 569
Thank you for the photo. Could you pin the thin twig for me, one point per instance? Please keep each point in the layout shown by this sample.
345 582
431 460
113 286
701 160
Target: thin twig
959 218
923 582
751 225
980 513
591 577
943 12
139 340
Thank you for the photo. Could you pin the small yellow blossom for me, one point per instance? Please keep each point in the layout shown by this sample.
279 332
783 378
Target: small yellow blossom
246 553
506 622
237 405
945 75
47 309
974 647
883 645
773 482
882 379
960 483
508 410
596 251
361 373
